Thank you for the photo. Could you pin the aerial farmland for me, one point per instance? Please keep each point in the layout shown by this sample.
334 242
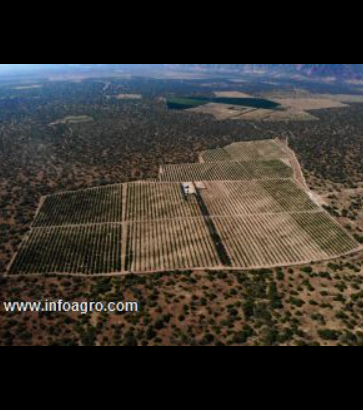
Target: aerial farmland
214 204
242 207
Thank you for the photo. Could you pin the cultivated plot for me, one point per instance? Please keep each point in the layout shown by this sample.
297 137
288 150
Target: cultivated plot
170 245
88 250
228 171
152 201
245 211
98 205
256 197
324 231
247 151
290 196
267 240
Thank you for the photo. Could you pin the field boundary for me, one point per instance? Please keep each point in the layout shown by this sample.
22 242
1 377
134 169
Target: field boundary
208 269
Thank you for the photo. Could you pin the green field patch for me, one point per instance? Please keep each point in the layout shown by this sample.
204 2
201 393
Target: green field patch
185 103
193 102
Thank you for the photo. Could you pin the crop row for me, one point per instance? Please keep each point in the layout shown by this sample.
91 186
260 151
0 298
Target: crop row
256 197
326 233
266 240
151 201
89 206
75 250
228 171
246 151
170 245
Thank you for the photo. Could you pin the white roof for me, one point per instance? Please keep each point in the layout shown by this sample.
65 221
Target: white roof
189 187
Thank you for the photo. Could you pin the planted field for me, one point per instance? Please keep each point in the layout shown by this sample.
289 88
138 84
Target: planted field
191 102
170 245
256 241
289 196
152 201
256 197
229 171
98 205
246 212
184 103
216 155
324 231
71 250
246 151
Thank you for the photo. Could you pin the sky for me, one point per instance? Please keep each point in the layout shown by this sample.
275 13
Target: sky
9 67
14 66
21 67
9 70
27 67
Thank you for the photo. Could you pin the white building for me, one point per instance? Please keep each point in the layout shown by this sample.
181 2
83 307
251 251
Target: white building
189 188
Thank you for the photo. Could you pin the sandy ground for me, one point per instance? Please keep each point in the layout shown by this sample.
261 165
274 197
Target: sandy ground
128 97
346 98
232 94
296 106
307 104
28 87
73 120
220 111
233 112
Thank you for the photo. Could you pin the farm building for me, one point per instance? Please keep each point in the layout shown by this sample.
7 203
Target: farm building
189 188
